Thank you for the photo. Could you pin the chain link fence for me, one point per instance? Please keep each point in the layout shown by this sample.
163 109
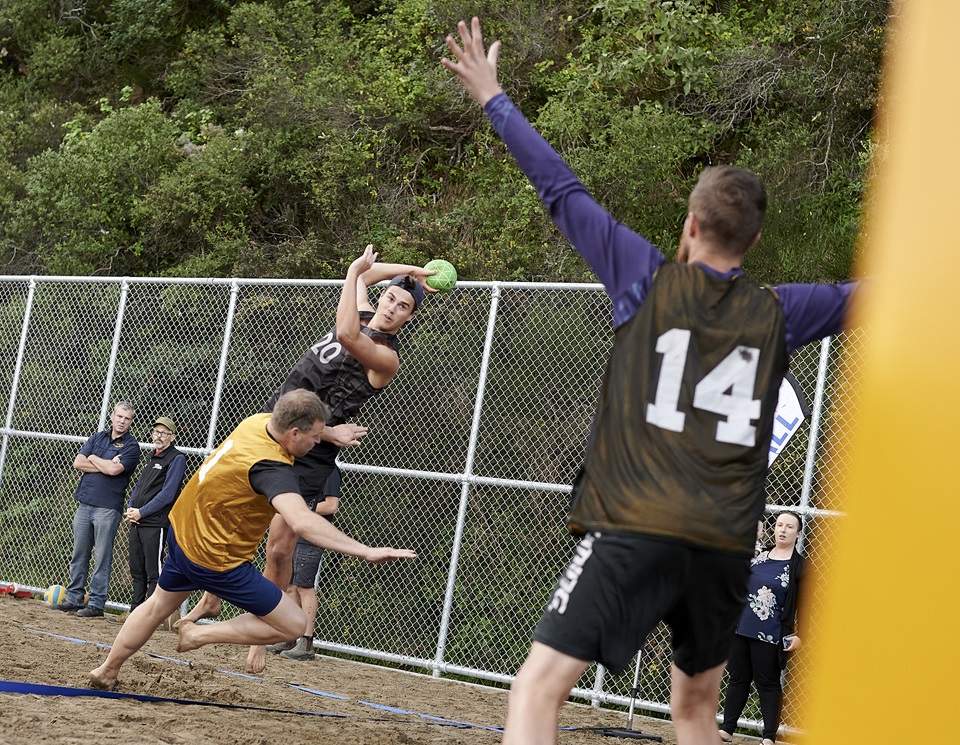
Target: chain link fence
469 458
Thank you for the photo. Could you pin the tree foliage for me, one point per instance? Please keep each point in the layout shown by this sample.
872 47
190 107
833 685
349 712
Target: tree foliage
276 138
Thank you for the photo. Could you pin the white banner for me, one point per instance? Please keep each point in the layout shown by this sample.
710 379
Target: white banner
791 410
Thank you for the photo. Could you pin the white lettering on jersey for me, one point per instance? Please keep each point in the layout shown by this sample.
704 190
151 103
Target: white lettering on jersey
726 390
327 349
205 468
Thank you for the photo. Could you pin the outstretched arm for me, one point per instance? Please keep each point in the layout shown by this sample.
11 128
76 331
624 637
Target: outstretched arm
379 272
321 532
620 258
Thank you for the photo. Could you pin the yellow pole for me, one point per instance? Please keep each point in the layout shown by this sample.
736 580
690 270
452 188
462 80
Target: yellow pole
885 668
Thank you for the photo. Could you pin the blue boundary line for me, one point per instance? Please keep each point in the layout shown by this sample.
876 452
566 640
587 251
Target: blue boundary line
435 719
7 686
38 689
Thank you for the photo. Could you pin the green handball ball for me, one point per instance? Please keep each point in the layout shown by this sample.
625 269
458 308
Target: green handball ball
446 277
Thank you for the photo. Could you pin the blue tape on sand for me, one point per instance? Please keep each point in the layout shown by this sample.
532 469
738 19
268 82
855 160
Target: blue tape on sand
316 692
10 686
439 721
433 719
168 659
70 638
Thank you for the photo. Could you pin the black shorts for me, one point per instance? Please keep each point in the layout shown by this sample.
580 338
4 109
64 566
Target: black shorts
619 586
306 563
314 468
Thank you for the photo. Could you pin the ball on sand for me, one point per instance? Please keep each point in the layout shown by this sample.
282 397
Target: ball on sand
445 277
55 594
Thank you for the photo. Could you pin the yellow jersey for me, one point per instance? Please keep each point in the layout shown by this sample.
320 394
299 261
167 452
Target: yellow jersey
219 520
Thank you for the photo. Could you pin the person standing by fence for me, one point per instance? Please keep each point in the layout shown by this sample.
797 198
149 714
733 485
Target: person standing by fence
150 504
307 559
767 631
106 461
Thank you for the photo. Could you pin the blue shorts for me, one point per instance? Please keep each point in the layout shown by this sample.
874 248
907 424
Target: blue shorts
243 586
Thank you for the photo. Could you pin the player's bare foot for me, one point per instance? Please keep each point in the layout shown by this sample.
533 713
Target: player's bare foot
100 680
256 660
187 639
208 607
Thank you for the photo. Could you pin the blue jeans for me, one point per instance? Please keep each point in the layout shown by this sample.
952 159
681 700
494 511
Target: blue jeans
94 529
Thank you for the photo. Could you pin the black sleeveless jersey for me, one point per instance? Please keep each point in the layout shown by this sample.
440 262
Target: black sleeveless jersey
334 375
680 441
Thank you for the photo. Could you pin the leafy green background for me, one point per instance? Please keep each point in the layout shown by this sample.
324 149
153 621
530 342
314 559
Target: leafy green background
276 138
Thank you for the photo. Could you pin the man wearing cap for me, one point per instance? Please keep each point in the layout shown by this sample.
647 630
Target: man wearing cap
153 497
352 363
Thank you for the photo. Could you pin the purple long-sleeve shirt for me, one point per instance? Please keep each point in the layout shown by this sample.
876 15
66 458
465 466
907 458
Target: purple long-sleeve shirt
624 261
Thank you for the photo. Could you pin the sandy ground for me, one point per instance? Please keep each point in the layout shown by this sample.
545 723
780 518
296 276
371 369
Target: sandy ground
43 646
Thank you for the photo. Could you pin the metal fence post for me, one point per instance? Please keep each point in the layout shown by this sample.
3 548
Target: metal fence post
18 367
222 372
114 350
812 442
467 474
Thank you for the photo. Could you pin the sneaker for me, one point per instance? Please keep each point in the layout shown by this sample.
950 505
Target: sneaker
66 606
280 647
302 651
90 612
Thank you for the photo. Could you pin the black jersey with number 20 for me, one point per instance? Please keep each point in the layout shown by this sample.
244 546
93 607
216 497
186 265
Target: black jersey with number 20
680 441
335 375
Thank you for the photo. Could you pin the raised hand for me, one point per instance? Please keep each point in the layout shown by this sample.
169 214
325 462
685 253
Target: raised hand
346 434
476 69
366 260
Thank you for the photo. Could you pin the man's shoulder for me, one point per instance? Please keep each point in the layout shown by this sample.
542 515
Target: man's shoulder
252 423
741 281
125 441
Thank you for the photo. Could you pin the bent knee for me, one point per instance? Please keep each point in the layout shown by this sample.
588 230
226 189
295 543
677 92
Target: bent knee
529 689
287 619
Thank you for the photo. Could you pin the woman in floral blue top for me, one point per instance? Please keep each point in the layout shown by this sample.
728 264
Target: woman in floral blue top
766 629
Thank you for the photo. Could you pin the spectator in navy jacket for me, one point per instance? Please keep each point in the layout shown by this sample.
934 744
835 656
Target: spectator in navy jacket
148 514
107 461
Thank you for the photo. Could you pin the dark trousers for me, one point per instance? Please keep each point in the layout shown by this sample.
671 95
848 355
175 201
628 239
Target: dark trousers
146 547
757 661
